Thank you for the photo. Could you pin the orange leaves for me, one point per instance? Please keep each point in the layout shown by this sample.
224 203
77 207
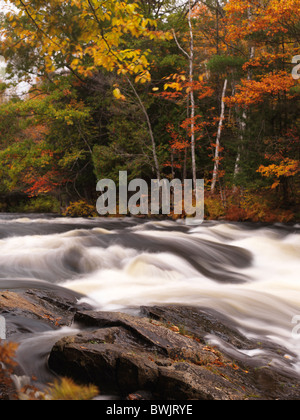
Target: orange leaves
287 168
266 60
257 206
7 353
197 123
219 361
7 362
55 321
36 132
246 17
178 142
254 91
182 87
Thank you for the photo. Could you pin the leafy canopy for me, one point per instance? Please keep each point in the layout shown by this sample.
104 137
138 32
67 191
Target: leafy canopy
79 35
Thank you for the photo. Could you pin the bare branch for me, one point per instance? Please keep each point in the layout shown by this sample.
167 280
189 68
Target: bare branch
179 46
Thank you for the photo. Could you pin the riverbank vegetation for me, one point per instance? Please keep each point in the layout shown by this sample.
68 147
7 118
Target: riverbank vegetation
63 389
159 88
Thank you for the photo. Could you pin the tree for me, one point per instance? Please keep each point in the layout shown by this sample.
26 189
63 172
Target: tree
265 32
190 57
217 149
83 37
220 104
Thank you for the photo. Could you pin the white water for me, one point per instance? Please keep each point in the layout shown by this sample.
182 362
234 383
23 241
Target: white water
118 266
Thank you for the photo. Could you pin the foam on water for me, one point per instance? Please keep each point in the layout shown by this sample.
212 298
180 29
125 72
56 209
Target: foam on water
248 273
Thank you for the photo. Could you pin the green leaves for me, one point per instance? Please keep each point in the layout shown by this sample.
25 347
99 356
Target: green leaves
79 35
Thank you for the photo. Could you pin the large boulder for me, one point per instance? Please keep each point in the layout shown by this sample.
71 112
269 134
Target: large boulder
125 354
161 354
122 354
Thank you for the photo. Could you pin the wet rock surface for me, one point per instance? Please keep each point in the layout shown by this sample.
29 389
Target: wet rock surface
126 354
122 354
164 353
28 311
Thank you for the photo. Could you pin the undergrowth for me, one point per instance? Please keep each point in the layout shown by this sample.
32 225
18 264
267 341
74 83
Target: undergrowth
63 389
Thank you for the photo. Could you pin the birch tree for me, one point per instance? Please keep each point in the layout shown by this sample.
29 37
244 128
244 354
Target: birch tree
190 56
217 149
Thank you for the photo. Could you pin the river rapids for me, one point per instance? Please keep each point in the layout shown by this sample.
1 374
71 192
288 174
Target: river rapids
247 272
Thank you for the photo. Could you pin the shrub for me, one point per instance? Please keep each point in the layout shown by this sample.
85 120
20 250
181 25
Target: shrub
7 364
42 204
67 390
245 205
214 208
63 389
80 209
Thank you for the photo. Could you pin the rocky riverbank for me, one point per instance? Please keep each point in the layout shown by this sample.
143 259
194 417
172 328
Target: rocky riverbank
166 353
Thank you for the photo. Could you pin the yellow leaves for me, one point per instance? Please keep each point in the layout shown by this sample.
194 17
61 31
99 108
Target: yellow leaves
75 62
144 77
66 390
49 34
174 85
118 95
132 7
287 168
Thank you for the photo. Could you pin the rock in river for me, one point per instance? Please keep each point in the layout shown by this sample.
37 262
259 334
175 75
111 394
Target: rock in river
164 353
122 354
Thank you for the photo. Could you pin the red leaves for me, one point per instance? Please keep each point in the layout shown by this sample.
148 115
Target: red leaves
178 142
43 184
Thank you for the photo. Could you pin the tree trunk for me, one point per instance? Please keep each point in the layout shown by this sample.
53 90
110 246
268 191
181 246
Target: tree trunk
192 97
190 57
243 125
217 152
155 158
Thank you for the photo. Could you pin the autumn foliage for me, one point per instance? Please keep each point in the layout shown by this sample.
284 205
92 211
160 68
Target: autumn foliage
63 389
199 89
7 364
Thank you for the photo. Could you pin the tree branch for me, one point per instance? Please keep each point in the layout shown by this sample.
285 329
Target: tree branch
179 46
50 39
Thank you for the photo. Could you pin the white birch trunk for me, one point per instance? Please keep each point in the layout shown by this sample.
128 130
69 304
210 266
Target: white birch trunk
190 57
192 96
218 140
243 122
243 125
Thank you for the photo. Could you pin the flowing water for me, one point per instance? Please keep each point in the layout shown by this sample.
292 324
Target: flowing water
249 273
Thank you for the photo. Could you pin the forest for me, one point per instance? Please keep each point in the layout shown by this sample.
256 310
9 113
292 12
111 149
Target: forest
204 89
